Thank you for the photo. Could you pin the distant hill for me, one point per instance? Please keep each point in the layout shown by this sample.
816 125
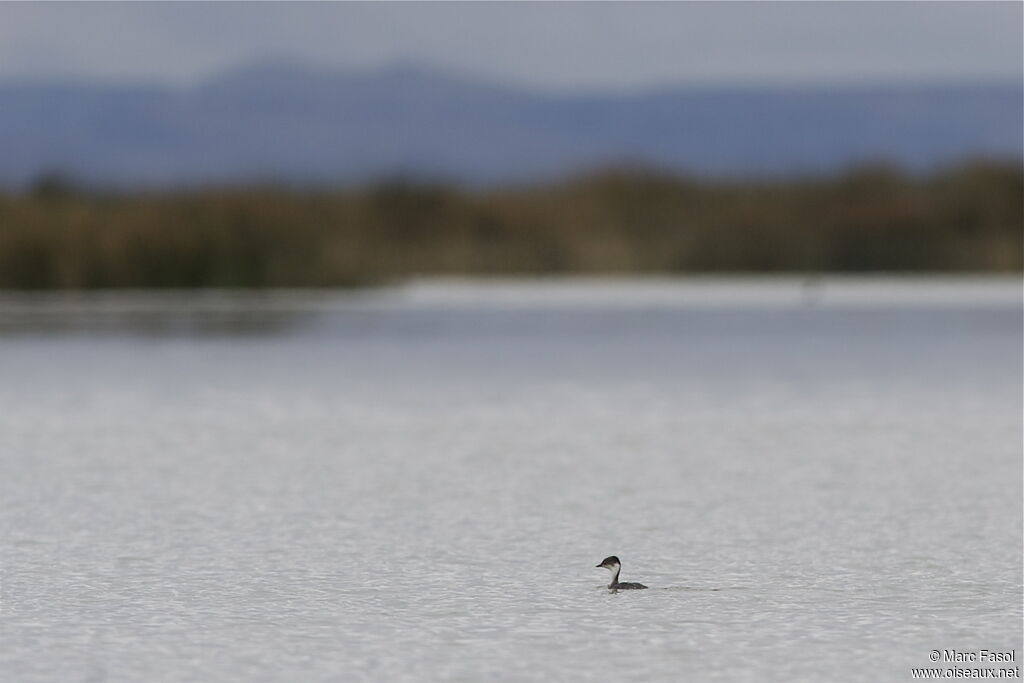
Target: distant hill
297 124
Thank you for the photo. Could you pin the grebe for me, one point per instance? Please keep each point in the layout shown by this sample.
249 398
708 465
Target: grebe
613 565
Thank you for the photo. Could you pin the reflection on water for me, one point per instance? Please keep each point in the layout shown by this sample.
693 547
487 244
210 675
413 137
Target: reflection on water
415 484
269 312
155 313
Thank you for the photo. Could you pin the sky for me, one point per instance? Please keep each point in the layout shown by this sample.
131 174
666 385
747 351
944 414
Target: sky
554 46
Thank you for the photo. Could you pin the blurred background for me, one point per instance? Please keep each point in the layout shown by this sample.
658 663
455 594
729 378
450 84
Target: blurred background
341 341
278 145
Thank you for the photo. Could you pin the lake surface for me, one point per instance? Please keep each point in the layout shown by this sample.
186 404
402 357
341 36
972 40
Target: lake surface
819 481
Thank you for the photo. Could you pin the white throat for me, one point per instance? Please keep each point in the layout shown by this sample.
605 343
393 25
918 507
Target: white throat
614 569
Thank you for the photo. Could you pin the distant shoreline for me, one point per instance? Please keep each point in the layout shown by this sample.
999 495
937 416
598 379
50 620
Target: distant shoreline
618 222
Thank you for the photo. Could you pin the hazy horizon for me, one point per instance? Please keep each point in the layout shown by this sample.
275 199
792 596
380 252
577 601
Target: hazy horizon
275 61
537 46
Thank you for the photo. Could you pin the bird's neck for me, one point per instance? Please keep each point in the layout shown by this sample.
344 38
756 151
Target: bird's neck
615 576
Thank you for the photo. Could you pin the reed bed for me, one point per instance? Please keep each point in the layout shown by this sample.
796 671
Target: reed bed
615 221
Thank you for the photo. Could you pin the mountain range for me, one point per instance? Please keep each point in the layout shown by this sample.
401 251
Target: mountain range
298 124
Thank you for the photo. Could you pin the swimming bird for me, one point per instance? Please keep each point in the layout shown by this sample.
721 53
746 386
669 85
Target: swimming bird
613 565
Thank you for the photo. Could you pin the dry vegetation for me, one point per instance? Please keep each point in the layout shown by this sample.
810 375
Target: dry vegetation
870 219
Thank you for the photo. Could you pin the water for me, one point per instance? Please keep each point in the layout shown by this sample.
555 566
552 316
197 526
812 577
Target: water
818 481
